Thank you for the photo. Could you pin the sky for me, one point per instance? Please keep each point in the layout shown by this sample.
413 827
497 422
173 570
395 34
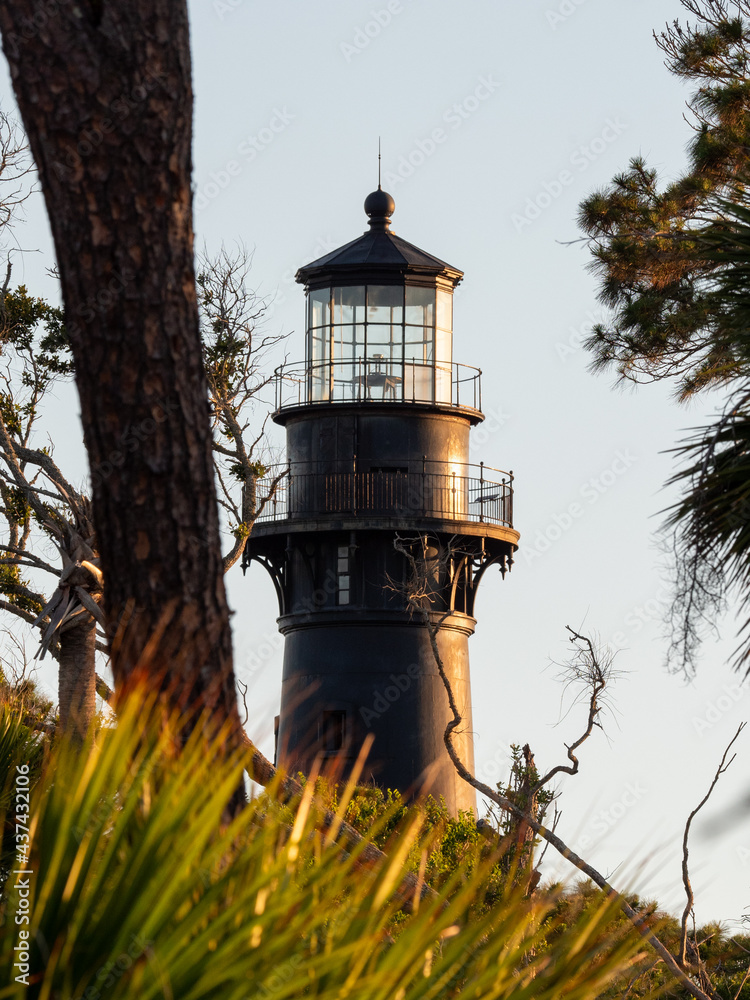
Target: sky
496 119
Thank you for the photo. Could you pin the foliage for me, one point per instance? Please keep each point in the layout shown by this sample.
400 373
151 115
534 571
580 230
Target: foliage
726 956
22 696
647 252
455 843
711 519
138 890
235 355
674 266
36 332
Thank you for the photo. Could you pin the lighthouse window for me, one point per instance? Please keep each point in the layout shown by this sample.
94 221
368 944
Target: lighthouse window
385 304
380 342
334 731
320 312
349 304
343 576
444 310
420 305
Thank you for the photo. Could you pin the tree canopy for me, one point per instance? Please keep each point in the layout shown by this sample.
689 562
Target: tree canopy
673 264
653 268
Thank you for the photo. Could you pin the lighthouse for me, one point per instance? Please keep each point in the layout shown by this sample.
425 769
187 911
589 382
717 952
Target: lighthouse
378 420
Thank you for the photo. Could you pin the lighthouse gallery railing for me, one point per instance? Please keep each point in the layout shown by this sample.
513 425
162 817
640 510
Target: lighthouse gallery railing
377 379
466 493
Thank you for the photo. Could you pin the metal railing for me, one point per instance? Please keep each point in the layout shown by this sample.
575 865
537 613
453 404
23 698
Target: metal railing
376 379
466 493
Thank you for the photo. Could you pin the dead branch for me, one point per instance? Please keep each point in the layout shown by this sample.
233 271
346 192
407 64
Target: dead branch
638 922
595 673
723 766
560 846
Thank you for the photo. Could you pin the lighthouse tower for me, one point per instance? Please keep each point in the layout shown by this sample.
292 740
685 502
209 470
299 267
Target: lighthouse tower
378 419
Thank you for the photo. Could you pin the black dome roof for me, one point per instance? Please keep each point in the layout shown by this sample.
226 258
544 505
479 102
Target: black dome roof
378 250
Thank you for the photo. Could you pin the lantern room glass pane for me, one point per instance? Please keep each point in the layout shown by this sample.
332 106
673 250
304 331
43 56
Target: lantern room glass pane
443 346
343 343
378 335
420 305
359 341
442 383
320 307
385 304
380 341
418 343
444 310
349 304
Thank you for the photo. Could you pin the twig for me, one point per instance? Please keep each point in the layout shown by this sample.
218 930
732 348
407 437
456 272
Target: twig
596 675
638 922
723 766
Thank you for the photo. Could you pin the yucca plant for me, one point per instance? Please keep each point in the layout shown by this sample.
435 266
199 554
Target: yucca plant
139 890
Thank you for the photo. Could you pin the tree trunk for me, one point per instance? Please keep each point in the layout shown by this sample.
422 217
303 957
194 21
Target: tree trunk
105 93
76 683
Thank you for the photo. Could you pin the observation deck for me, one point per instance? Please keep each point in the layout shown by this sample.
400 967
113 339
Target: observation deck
378 379
476 498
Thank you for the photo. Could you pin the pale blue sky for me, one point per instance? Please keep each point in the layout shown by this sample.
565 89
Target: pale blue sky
498 108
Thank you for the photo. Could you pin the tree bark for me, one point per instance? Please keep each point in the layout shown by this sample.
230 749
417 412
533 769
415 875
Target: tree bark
104 88
76 684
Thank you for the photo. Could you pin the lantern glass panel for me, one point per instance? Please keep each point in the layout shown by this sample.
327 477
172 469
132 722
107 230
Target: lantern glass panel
420 305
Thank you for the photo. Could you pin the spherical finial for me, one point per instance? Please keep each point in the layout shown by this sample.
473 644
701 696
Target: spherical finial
380 207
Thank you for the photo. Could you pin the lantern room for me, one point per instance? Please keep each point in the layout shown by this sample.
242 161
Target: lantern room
379 319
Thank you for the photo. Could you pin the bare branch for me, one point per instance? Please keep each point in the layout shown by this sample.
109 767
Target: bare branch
595 672
723 766
13 609
417 594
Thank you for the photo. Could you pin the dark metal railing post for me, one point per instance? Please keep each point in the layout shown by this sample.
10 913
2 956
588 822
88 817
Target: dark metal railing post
321 491
510 520
481 491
